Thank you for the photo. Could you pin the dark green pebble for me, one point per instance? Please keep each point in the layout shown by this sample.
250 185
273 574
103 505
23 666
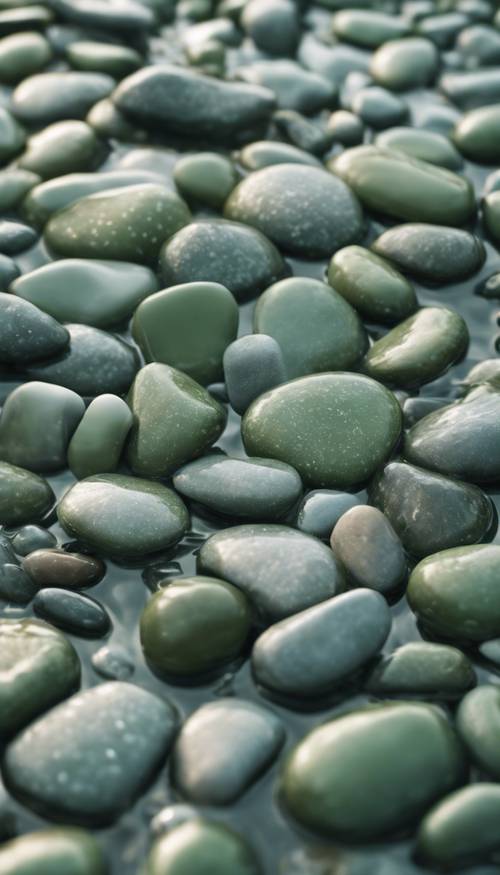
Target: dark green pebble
61 148
56 567
471 89
442 29
125 18
15 585
205 177
491 216
346 128
462 828
378 107
478 724
302 132
273 25
27 333
32 537
433 253
24 496
16 237
420 668
73 612
22 54
476 135
293 86
54 851
116 61
367 27
12 136
26 17
403 64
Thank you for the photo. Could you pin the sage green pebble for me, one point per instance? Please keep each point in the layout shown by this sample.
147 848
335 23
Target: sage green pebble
419 349
401 64
38 667
478 724
22 54
205 177
462 829
117 61
334 429
175 420
194 625
455 593
264 153
56 851
419 143
98 441
12 136
126 224
434 254
203 847
491 216
421 668
390 182
24 496
118 515
372 771
367 27
64 147
477 134
372 285
14 186
315 327
188 327
58 95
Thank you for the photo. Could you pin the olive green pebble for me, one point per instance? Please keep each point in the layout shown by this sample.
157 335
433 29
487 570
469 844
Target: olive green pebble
194 625
491 215
401 64
477 134
24 496
126 224
38 667
98 441
420 143
420 668
372 285
317 329
372 771
12 136
118 515
462 828
205 177
299 423
188 327
419 349
203 847
55 851
117 61
478 724
455 593
64 147
175 420
21 55
392 183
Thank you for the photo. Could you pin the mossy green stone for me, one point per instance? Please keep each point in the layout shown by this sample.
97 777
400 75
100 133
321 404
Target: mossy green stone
371 285
126 224
194 625
491 216
419 143
205 177
175 420
477 134
98 441
478 724
21 55
56 851
419 349
61 148
38 667
315 327
455 593
123 516
420 668
373 771
201 847
334 429
390 182
401 64
24 496
189 327
117 61
367 27
12 136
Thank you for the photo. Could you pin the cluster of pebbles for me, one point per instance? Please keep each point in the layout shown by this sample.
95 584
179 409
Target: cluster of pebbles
250 389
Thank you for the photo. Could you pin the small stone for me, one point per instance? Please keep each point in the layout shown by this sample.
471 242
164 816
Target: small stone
428 146
113 663
52 97
24 496
273 25
476 134
96 57
378 107
369 549
478 724
12 136
402 64
125 16
55 567
30 537
422 669
491 215
334 62
434 254
294 87
265 153
205 177
200 845
62 849
442 29
469 90
303 132
73 612
97 444
16 237
321 510
346 128
15 585
21 55
8 272
26 333
490 288
252 365
14 186
27 16
367 27
64 147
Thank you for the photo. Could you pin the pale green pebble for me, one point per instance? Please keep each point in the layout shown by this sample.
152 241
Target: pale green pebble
425 145
206 177
98 441
201 847
117 61
63 147
22 54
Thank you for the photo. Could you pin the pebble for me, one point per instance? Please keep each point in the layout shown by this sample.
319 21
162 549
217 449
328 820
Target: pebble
430 146
479 45
337 780
476 134
368 548
379 108
403 64
471 89
14 186
96 57
15 237
72 612
321 510
15 585
359 417
307 135
478 724
487 371
58 849
21 55
432 253
294 87
252 365
302 209
28 17
193 626
491 215
420 668
367 27
64 147
111 740
346 128
8 272
51 97
98 442
39 667
56 567
430 512
273 25
12 136
454 593
264 153
115 514
30 537
200 846
125 15
321 648
27 333
282 571
334 62
113 663
24 496
205 177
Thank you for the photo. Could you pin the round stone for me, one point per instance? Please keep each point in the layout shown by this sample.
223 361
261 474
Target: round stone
24 496
32 537
378 108
72 612
205 177
273 25
294 87
201 846
97 444
58 850
430 252
491 215
21 55
369 550
55 567
14 186
420 668
402 64
27 333
252 365
16 237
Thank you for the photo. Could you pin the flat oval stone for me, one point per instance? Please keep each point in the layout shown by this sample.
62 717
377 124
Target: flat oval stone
223 748
315 327
194 625
282 571
319 649
97 444
73 612
419 143
372 285
302 132
56 567
321 510
64 147
420 668
389 182
432 253
372 771
402 64
430 512
15 237
38 668
301 209
369 549
462 828
12 136
135 724
367 27
97 293
301 421
27 16
293 86
462 439
119 515
14 186
116 61
188 327
62 849
24 496
15 585
455 595
36 425
198 846
176 420
52 97
21 55
123 224
125 16
472 88
32 537
28 334
218 251
476 134
205 177
478 724
252 489
252 365
264 153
